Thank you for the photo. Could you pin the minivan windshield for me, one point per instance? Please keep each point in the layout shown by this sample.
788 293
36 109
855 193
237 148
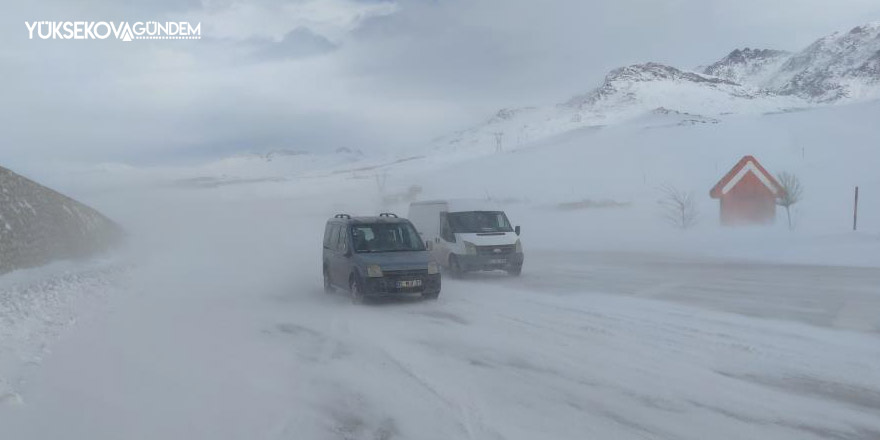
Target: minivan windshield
386 237
479 221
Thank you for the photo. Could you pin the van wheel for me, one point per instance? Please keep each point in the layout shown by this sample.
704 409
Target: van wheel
328 288
357 293
515 271
454 267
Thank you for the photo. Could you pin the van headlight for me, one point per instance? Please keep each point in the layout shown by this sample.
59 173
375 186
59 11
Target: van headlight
433 268
374 271
518 247
470 248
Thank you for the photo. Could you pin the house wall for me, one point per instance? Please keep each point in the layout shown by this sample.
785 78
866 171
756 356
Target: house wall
749 202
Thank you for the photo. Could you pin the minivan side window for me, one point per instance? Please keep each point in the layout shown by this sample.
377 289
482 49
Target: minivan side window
340 239
334 237
329 236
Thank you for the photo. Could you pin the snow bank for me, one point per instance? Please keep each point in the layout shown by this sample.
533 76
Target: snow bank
38 305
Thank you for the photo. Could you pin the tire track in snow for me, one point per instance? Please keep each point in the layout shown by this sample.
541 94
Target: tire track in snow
469 415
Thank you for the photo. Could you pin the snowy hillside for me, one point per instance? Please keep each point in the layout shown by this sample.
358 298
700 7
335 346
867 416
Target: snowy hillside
38 225
839 68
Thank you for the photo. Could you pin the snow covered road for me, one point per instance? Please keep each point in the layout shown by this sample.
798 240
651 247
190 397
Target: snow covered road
494 358
213 335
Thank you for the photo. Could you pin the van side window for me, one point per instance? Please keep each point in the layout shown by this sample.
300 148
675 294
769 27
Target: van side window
445 230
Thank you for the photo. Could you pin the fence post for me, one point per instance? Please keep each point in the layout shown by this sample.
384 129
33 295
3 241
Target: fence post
856 211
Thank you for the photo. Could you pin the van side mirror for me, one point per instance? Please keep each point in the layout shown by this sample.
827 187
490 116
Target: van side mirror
429 245
517 230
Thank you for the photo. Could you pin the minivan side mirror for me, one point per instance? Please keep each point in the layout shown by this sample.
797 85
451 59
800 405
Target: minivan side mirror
517 230
429 245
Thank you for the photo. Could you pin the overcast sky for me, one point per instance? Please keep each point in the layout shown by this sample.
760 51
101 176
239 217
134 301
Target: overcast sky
369 74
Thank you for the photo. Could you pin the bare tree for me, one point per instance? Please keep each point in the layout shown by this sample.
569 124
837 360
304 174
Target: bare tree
679 208
792 193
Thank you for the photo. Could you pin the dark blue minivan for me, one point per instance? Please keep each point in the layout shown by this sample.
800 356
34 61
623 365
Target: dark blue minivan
381 256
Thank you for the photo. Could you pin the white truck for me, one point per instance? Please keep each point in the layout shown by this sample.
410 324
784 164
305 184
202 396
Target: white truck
468 235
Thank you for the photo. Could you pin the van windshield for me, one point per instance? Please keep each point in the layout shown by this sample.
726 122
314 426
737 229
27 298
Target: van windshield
479 221
386 237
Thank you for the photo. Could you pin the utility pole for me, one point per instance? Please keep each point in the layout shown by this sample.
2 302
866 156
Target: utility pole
856 211
499 137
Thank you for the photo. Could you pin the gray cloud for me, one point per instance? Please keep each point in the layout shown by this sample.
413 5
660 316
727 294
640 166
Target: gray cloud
298 43
319 74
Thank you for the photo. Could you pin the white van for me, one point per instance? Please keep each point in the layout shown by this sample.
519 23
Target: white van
468 235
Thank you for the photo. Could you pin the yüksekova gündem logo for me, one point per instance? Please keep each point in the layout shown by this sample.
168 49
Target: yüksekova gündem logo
122 30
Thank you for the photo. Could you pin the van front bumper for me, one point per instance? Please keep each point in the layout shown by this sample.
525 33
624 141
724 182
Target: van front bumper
491 262
388 284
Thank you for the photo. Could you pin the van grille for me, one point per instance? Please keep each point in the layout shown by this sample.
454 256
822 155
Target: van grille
406 273
496 250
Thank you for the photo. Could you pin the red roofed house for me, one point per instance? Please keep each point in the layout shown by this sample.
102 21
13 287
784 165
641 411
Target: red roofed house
748 194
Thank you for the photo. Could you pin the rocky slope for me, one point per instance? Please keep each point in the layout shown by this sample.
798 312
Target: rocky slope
748 66
38 225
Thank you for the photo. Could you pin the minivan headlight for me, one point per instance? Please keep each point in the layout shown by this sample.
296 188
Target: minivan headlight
374 271
470 248
518 247
433 268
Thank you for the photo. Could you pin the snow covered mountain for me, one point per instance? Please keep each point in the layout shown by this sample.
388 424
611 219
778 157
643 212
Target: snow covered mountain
38 225
842 67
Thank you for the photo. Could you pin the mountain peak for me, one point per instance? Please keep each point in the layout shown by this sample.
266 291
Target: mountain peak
747 66
823 72
619 83
741 56
659 72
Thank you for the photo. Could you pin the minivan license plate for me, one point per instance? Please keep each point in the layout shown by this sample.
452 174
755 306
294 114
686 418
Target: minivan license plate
498 261
409 283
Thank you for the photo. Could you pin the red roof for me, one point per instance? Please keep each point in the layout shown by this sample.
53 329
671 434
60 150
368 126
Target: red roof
744 166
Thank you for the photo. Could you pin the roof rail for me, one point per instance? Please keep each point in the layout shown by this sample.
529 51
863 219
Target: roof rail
342 216
388 214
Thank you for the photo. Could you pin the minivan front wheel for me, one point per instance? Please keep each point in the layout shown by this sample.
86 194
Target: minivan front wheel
357 293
